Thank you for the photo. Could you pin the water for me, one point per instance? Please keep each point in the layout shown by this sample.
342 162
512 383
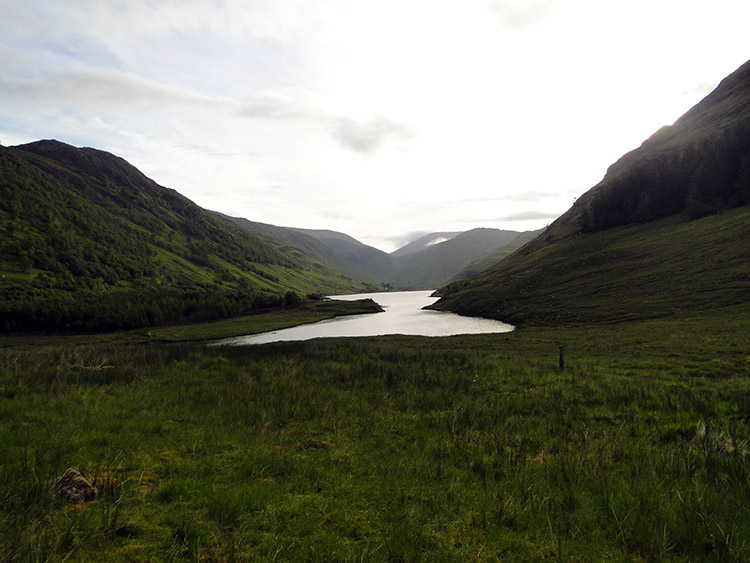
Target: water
403 315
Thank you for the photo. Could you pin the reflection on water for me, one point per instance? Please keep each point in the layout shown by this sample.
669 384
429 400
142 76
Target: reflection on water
403 315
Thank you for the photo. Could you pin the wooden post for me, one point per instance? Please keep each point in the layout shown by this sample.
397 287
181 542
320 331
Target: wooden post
561 354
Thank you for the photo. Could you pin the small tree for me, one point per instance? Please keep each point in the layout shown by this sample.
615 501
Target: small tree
291 299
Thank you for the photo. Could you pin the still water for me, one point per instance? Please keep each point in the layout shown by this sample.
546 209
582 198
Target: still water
403 315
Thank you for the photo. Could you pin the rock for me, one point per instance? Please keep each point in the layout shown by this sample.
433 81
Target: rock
74 488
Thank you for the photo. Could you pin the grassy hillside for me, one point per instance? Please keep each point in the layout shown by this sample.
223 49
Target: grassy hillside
358 260
666 267
337 250
664 232
489 260
89 242
438 264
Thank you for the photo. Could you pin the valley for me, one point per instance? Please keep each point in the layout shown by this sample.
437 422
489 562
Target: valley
391 447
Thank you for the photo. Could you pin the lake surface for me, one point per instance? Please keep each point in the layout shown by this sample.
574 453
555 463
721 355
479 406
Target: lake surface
403 315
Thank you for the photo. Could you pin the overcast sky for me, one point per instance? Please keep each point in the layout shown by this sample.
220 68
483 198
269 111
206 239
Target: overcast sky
378 118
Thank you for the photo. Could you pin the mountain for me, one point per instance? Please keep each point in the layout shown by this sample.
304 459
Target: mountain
418 265
354 258
291 242
437 264
489 260
423 243
664 233
89 242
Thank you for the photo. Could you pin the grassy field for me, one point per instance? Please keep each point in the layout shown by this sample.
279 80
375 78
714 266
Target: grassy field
389 448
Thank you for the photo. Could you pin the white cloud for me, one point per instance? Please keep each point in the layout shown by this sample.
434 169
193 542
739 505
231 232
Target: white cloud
88 88
521 14
367 136
363 136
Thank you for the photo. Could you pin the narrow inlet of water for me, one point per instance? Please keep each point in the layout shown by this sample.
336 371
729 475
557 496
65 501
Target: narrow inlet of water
404 314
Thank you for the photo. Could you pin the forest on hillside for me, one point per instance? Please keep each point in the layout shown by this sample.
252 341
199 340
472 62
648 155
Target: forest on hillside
707 177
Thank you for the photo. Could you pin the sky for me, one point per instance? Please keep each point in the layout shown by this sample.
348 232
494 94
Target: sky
382 119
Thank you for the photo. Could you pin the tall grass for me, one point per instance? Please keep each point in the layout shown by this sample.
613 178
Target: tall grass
398 448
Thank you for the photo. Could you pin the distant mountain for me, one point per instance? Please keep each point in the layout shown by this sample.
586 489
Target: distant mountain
421 266
665 232
423 243
354 258
291 242
439 263
89 242
489 260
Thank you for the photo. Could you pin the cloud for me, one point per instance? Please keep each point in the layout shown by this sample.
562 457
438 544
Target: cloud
363 136
275 107
397 241
530 195
367 136
521 14
525 216
109 87
79 47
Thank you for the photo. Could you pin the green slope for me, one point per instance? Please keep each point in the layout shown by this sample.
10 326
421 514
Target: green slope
489 260
667 267
336 250
88 242
354 258
438 264
664 233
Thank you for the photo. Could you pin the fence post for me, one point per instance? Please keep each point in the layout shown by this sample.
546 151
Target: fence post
561 355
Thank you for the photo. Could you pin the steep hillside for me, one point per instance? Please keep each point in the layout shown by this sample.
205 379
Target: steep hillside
89 242
355 259
664 232
294 244
423 243
342 252
489 260
439 263
698 166
667 267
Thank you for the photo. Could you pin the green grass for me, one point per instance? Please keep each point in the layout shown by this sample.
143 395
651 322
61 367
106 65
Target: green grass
260 321
664 268
391 448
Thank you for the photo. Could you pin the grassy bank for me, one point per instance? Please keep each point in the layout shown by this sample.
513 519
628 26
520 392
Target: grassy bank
391 448
260 321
